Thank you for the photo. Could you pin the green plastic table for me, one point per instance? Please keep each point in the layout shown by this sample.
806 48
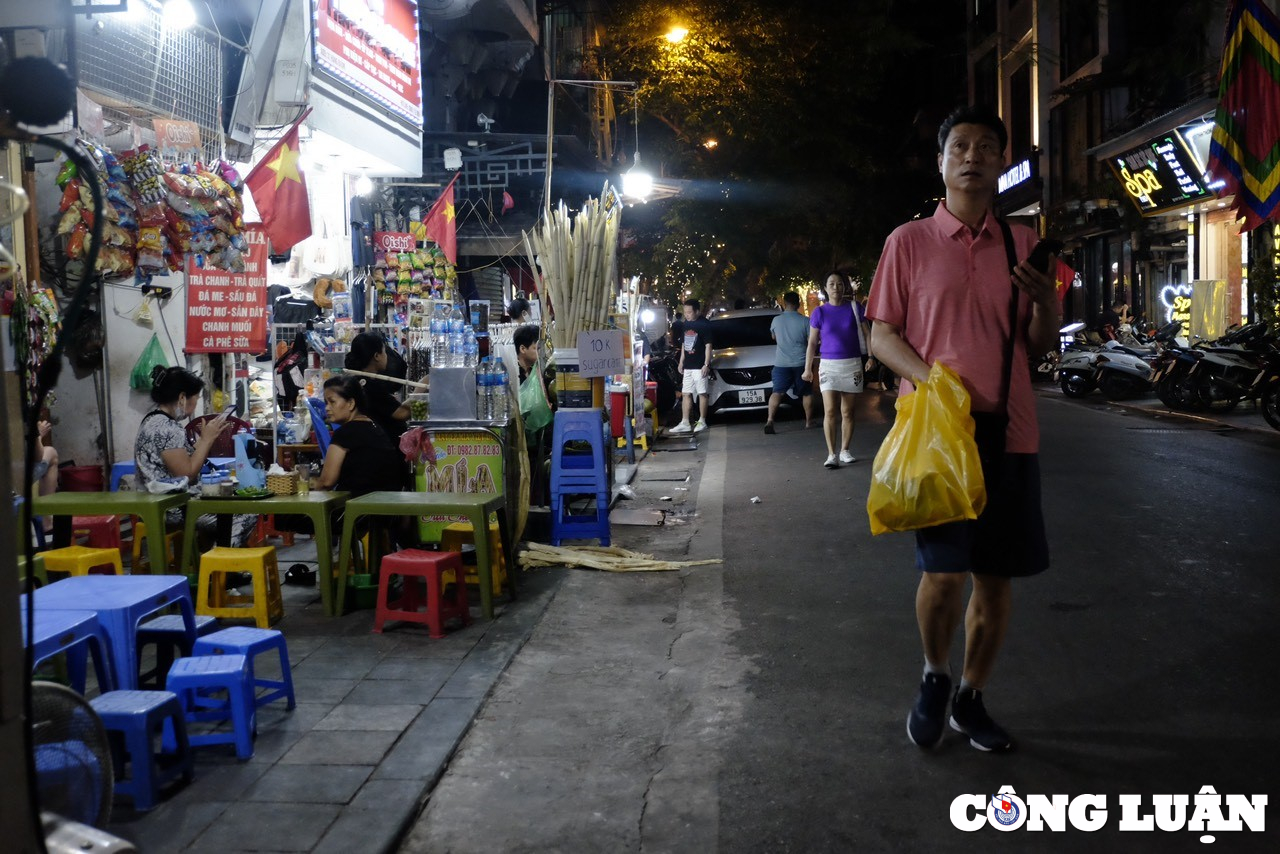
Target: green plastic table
316 505
147 507
475 507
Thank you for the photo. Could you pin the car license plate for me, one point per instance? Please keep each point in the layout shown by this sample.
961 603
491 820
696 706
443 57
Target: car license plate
751 395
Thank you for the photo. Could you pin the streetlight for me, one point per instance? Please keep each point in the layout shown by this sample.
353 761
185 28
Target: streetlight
677 34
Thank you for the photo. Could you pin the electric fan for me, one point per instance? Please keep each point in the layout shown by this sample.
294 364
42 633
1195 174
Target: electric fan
74 775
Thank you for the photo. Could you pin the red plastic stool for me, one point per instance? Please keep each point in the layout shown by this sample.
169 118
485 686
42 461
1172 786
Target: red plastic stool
266 529
103 531
411 564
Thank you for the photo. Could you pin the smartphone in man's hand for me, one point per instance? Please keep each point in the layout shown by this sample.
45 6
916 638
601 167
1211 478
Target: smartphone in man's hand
1039 257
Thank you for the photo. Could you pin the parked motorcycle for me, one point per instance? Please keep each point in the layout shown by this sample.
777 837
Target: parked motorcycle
1232 367
1078 370
1124 371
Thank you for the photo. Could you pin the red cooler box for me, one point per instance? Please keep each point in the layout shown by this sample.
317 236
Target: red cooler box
618 413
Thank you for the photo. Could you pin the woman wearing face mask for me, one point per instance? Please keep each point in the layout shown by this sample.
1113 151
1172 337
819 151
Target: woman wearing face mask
163 456
839 341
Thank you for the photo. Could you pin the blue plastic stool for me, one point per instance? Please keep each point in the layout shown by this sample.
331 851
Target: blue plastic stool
194 678
119 471
576 468
132 719
579 473
169 635
251 643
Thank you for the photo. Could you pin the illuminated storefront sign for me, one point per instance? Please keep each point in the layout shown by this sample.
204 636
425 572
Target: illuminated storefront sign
1176 300
1160 175
373 47
1016 174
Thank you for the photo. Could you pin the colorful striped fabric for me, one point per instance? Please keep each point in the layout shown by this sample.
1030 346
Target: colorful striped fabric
1245 150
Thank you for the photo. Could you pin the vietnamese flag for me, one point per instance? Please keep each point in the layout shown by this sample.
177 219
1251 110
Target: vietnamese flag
441 226
1063 278
280 193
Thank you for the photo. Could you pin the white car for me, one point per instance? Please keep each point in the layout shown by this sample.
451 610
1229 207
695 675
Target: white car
742 351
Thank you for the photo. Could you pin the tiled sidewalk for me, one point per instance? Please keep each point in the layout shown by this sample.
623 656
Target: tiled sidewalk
377 719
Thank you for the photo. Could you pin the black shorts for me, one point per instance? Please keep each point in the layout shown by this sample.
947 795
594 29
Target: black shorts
1007 540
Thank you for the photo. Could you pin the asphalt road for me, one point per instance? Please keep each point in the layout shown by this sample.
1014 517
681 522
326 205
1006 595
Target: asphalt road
760 706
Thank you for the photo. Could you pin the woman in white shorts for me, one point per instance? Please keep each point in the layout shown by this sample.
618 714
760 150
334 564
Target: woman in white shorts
839 341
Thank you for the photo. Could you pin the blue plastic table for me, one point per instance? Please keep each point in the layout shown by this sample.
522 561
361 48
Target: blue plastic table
121 602
76 633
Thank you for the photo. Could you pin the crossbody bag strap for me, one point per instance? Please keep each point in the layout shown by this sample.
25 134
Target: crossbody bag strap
1012 256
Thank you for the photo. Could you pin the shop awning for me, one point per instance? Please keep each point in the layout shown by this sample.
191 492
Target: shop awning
1164 124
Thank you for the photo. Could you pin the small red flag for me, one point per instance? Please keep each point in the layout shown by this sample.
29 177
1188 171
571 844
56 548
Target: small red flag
1064 277
440 225
280 193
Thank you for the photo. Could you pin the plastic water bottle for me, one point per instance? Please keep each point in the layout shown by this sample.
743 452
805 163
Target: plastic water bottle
499 385
439 338
482 388
470 348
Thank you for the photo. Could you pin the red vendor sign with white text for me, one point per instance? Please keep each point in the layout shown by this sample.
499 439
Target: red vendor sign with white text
227 312
373 47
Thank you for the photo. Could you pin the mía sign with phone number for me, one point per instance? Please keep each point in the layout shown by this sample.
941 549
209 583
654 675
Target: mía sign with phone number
227 312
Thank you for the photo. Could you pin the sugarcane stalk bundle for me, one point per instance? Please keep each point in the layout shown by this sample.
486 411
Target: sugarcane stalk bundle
576 256
606 558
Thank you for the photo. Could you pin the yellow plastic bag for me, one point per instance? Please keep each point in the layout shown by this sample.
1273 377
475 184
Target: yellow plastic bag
927 471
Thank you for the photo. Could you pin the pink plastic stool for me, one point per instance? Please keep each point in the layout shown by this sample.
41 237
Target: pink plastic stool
411 564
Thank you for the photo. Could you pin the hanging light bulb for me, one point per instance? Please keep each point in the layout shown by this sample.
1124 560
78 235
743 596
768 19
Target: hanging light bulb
179 14
636 182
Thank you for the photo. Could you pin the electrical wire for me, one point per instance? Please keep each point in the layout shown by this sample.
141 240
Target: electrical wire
46 379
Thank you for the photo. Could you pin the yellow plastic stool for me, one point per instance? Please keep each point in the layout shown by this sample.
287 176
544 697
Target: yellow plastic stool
455 535
172 548
641 440
78 560
265 606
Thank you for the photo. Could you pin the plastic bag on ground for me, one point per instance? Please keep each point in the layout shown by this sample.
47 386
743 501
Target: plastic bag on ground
927 471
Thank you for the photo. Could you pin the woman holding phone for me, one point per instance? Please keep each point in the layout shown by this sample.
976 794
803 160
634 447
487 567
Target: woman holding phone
166 463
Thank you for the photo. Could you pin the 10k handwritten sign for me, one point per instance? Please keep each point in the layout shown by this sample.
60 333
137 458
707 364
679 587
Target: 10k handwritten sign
600 353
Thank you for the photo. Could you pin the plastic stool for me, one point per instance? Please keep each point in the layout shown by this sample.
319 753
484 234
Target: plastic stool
78 560
172 548
266 528
132 719
411 564
265 606
574 468
576 473
251 643
120 471
103 531
195 677
452 539
168 634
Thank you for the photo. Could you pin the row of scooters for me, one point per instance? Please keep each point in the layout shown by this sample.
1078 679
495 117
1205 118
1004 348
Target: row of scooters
1242 365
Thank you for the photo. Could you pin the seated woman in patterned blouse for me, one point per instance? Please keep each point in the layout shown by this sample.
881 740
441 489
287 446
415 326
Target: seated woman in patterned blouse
165 462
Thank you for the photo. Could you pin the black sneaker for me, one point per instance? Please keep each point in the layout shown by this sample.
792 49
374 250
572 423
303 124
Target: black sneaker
925 722
969 717
768 427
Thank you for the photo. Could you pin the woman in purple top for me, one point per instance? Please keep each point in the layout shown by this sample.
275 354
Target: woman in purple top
839 342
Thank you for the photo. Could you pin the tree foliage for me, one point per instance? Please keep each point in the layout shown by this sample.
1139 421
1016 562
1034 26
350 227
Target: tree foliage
822 113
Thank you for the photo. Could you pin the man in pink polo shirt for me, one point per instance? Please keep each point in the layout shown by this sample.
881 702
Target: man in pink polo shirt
942 292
